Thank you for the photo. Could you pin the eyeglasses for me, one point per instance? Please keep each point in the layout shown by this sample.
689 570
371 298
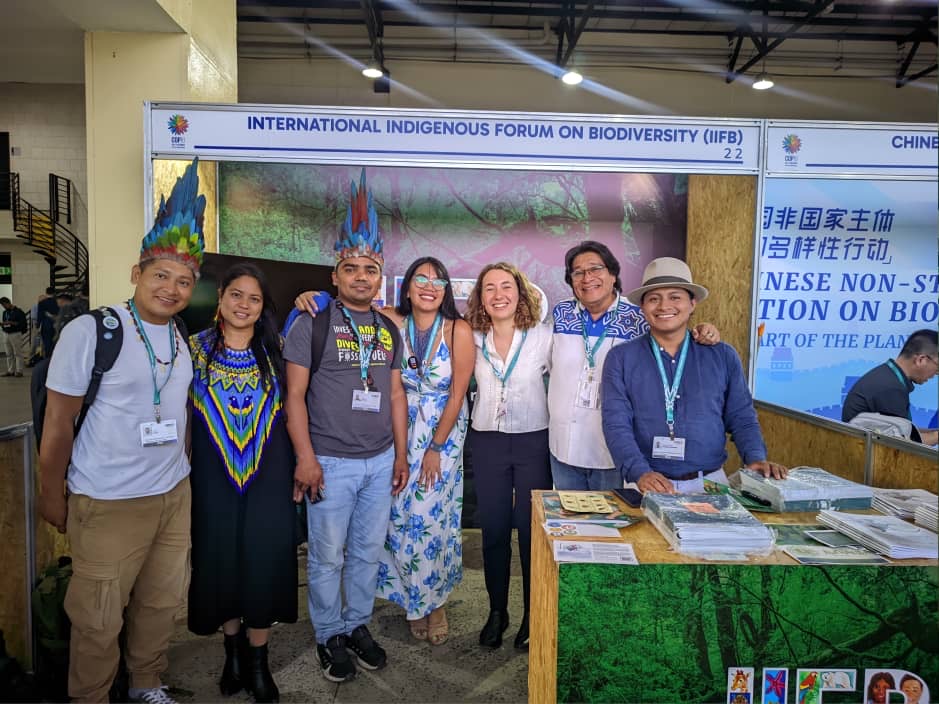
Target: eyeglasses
422 281
581 274
933 360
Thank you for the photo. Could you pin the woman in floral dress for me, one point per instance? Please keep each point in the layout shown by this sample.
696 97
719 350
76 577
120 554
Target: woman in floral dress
423 558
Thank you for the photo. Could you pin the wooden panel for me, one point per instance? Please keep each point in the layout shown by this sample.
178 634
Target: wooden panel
894 468
721 224
795 442
13 548
543 643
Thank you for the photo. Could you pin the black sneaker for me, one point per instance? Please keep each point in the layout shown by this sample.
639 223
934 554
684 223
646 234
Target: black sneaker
370 654
335 659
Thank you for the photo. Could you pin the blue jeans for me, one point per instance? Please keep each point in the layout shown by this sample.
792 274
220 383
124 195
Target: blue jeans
567 477
346 535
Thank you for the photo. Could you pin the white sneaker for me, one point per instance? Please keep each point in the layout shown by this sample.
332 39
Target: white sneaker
157 695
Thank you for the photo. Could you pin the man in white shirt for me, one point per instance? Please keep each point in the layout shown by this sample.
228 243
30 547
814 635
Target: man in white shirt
586 328
127 515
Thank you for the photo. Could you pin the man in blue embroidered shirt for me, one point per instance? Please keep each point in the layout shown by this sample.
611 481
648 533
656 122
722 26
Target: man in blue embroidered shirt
667 404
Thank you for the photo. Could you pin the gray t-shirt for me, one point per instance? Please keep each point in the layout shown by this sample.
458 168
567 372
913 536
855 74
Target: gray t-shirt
335 429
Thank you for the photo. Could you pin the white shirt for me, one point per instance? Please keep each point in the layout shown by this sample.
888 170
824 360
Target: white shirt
575 434
108 460
526 404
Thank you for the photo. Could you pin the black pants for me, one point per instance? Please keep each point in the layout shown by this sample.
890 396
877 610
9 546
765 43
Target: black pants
507 468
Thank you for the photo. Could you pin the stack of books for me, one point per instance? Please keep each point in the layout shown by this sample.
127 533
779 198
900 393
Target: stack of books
707 524
927 515
902 502
888 535
609 515
806 489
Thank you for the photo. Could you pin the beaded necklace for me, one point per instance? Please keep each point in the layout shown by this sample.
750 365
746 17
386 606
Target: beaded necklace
140 337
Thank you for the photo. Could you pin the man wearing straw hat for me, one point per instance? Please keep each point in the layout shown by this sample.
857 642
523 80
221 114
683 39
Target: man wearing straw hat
668 404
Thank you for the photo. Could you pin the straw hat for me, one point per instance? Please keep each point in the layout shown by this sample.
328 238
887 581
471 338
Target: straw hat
666 272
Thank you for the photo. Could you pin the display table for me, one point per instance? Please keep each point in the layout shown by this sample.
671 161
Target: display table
670 629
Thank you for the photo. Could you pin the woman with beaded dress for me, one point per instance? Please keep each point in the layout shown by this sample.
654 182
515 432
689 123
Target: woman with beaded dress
244 561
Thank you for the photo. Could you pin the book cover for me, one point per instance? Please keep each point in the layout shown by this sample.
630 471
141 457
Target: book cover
553 511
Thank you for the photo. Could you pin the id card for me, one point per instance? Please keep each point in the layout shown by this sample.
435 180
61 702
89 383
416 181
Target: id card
588 394
153 433
369 401
666 448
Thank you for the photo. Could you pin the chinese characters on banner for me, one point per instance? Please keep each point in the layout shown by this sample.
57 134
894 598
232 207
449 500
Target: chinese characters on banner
847 272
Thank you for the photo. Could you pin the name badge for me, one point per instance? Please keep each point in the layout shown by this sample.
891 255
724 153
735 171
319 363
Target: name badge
369 401
588 394
667 448
162 433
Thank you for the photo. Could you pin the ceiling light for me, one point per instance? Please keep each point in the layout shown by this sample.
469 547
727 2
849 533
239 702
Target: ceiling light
372 71
572 78
763 82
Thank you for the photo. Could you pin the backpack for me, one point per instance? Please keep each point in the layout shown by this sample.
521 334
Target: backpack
110 337
108 343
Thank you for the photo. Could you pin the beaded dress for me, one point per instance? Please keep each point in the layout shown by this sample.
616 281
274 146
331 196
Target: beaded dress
244 559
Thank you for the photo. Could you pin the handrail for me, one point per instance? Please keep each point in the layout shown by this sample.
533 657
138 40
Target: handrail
60 193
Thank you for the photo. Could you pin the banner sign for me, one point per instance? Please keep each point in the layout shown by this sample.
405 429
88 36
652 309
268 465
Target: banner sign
847 272
344 135
902 150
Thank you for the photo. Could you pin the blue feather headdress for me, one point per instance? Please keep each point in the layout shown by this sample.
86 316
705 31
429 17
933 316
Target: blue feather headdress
177 230
360 236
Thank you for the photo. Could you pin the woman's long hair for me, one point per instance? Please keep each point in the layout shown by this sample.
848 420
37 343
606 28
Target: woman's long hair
265 342
447 305
527 314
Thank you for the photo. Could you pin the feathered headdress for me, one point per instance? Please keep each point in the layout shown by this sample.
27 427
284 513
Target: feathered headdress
360 236
177 230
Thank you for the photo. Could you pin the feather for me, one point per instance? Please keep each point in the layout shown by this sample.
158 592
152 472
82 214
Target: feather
177 230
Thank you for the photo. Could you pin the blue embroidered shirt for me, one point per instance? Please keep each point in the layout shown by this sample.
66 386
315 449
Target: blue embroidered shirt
713 399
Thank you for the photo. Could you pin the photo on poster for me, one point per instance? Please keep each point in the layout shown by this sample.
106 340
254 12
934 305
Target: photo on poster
891 685
775 685
740 685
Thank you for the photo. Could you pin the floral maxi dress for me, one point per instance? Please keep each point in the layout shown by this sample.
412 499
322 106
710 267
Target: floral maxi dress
423 557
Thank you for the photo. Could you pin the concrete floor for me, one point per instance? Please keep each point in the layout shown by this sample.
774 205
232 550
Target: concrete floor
457 671
14 397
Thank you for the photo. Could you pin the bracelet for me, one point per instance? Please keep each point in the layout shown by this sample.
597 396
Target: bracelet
435 446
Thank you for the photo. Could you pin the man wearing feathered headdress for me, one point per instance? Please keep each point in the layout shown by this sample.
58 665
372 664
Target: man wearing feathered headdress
347 419
127 514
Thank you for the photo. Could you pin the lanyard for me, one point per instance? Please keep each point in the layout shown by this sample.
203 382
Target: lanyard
504 376
592 352
152 356
897 373
412 341
671 392
365 355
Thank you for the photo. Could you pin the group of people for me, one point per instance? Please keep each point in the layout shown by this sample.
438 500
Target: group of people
30 337
361 414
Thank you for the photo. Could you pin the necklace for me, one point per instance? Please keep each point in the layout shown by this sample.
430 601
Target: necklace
140 337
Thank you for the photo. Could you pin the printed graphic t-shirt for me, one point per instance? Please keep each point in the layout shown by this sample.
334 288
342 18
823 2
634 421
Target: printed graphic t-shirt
335 429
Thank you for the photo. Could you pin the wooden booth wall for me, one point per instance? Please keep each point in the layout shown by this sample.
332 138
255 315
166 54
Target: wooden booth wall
721 226
795 442
897 468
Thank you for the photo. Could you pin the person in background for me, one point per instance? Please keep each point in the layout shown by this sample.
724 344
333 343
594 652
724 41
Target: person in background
668 404
347 420
48 309
15 326
244 557
586 328
127 513
886 389
509 438
35 348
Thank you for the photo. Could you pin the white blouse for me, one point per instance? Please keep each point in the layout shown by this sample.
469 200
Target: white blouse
526 400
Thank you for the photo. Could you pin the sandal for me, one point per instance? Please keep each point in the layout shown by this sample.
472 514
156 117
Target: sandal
437 633
419 628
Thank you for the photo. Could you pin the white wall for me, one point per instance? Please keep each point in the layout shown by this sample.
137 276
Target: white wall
30 273
633 91
46 123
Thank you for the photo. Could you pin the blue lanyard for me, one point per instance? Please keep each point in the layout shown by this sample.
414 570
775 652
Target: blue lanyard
152 356
897 373
504 376
591 353
365 355
412 341
671 392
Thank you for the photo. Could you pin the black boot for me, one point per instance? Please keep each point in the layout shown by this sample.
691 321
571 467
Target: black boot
231 673
491 635
257 678
521 640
